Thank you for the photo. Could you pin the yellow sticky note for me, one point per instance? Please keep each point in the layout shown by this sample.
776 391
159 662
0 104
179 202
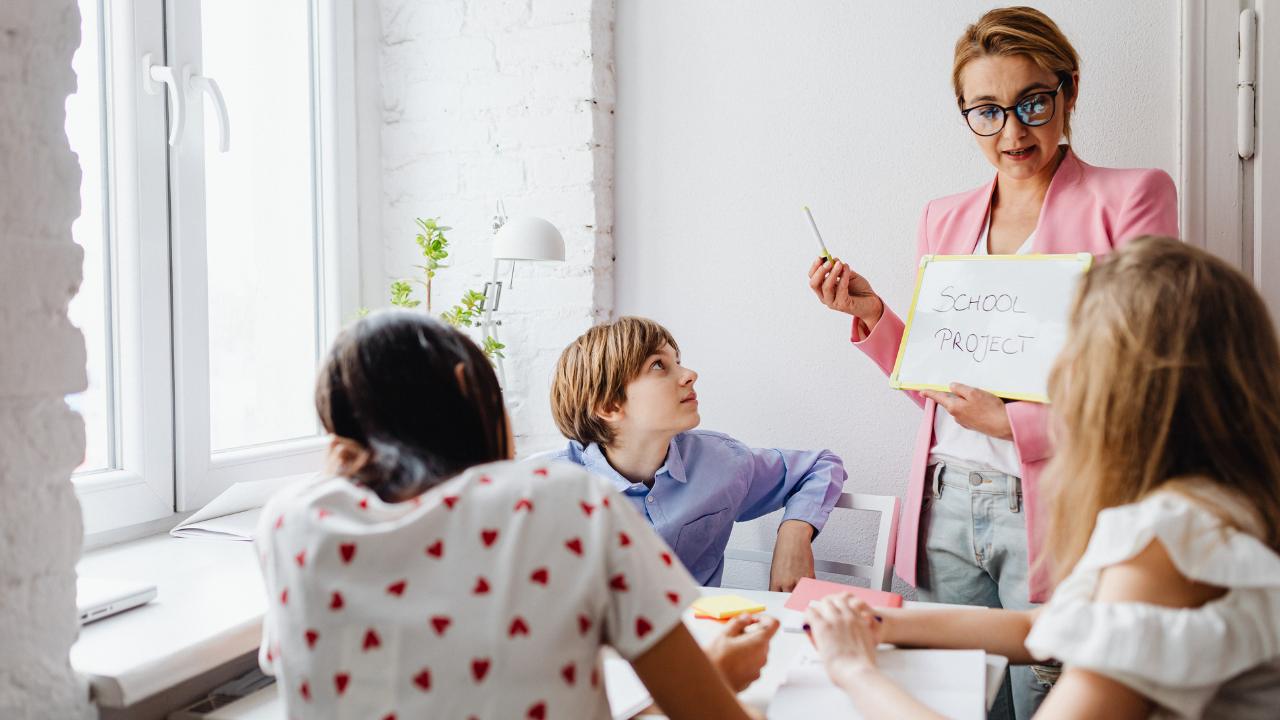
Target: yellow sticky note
722 607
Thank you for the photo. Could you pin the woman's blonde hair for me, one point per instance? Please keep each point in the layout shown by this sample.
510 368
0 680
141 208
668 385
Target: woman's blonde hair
1006 32
1171 370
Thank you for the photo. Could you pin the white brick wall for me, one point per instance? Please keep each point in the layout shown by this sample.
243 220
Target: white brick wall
42 357
483 100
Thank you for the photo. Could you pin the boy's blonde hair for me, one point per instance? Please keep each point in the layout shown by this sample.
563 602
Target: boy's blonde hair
1005 32
1171 372
594 371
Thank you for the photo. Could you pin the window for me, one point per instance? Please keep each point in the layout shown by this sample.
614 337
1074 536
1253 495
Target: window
214 204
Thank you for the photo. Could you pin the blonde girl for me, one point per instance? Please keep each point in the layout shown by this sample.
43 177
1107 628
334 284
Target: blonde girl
1165 520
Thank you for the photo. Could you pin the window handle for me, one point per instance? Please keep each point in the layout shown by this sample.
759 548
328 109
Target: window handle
154 77
196 84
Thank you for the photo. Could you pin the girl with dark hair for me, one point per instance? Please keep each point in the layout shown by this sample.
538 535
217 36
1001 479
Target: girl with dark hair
424 576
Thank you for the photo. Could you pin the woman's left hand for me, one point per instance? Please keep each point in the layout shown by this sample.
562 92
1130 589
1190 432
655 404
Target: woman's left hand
974 409
845 631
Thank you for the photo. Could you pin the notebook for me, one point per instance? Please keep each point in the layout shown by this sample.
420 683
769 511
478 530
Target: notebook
808 590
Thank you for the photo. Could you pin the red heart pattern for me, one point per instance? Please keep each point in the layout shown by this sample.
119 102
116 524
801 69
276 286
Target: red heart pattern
604 501
540 471
643 627
539 576
584 624
340 682
441 623
396 588
524 504
312 637
436 549
623 540
574 545
450 501
335 602
305 691
371 640
347 551
423 680
569 673
518 627
488 536
538 711
301 558
279 522
363 504
284 597
482 586
595 677
674 598
322 514
390 716
587 508
479 668
666 559
484 479
619 582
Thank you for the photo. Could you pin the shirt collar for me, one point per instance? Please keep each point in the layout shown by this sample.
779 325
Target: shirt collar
594 460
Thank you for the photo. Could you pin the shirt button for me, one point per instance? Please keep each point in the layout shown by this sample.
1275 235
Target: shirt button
975 479
650 498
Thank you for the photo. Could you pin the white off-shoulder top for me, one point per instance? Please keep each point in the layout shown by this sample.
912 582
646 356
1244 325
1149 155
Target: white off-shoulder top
1220 660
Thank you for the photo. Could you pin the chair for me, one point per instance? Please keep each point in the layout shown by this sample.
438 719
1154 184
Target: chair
881 573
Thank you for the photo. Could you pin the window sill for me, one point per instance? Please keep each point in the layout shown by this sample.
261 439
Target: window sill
208 611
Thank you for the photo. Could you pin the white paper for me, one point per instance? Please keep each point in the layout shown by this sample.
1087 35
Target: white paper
233 515
993 324
949 682
627 695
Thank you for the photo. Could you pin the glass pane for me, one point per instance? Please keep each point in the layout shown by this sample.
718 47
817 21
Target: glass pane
260 223
90 310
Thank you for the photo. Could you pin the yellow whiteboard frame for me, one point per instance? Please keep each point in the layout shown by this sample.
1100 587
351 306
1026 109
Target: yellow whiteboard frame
1085 259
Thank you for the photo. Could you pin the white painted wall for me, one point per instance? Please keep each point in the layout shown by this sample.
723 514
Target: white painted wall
463 103
733 114
42 358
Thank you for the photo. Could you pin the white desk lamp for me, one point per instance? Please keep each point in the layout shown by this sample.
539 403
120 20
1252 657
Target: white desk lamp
523 238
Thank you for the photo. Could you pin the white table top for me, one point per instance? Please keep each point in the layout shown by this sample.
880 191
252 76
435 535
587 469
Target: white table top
208 611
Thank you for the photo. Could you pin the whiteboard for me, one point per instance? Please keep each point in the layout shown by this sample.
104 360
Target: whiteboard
995 322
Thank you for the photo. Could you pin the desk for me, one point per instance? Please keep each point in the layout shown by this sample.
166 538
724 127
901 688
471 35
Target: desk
782 647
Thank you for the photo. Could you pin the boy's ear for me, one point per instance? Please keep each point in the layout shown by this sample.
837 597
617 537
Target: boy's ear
610 413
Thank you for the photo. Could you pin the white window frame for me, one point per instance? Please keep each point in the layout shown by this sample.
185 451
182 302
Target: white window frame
158 276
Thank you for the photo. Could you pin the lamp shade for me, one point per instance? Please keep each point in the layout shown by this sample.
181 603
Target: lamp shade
528 238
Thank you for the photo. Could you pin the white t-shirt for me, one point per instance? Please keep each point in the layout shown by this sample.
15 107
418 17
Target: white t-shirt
957 445
1220 660
487 597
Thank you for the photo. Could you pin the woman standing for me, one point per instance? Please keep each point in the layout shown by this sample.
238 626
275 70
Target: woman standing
972 526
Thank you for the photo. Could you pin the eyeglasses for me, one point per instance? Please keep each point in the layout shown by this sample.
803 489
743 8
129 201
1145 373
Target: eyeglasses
1033 111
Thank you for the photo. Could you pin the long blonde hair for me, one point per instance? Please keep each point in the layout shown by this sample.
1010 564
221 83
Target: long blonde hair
1005 32
1171 369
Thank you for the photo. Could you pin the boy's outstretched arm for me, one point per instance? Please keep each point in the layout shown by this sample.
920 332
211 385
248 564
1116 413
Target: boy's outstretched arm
805 482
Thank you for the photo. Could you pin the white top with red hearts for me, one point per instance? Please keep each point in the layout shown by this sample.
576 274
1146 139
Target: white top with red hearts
487 597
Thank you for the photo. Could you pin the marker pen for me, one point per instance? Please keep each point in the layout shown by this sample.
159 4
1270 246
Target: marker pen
822 248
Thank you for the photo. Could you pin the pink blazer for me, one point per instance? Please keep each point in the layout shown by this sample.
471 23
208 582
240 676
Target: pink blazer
1087 209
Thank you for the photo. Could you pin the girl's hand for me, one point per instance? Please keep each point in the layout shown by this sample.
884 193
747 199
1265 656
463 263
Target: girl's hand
840 288
845 632
742 649
974 409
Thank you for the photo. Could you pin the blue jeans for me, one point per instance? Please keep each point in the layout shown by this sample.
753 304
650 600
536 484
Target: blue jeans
976 554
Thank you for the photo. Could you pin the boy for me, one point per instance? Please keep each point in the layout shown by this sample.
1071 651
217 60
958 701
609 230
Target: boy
629 410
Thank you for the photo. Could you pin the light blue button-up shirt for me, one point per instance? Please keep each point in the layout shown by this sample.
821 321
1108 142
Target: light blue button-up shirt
711 481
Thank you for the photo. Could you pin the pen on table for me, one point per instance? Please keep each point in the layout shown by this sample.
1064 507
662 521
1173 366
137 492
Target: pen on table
806 627
822 247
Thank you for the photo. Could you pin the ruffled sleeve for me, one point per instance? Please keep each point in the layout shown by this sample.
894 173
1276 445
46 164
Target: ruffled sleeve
1177 657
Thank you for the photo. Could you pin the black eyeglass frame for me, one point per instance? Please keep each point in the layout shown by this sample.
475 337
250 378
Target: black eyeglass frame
1053 99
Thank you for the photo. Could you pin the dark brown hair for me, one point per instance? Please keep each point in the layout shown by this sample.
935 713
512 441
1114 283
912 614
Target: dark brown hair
594 371
1171 371
389 383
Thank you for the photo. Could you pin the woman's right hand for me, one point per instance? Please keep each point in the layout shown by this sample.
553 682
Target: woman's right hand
840 288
